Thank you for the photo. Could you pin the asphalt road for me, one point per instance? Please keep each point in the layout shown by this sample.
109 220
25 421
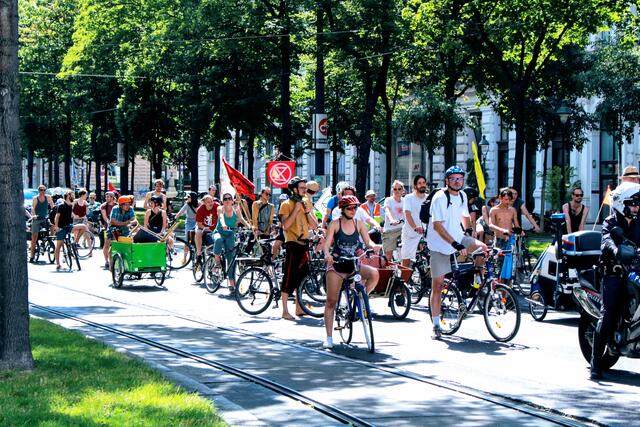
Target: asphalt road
542 365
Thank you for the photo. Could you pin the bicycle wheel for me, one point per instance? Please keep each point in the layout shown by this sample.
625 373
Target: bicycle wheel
117 271
196 270
344 315
502 313
416 286
451 308
312 294
537 306
159 278
51 251
74 255
85 245
254 290
37 250
67 254
179 255
213 274
366 318
399 299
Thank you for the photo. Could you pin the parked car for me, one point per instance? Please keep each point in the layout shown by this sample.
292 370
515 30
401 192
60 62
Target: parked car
29 194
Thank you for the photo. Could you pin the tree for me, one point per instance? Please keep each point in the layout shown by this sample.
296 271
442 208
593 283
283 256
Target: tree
517 40
15 350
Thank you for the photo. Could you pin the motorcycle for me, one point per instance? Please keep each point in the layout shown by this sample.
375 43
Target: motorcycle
626 339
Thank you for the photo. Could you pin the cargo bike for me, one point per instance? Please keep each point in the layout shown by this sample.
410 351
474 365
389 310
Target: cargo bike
135 261
392 284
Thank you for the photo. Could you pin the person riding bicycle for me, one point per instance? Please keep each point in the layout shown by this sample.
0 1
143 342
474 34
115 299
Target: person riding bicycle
63 223
224 235
205 225
344 237
502 221
105 214
624 214
80 211
122 217
189 209
40 206
155 220
445 236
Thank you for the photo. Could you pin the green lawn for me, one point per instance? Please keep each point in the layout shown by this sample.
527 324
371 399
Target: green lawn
537 246
79 382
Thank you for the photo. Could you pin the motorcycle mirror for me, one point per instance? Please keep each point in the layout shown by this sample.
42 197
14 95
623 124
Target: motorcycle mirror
617 235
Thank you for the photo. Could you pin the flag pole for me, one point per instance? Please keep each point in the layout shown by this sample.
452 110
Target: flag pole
604 202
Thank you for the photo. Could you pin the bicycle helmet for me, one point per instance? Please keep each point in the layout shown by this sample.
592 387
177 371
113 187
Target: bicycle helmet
294 182
453 170
625 195
348 201
283 197
157 200
471 192
341 186
125 199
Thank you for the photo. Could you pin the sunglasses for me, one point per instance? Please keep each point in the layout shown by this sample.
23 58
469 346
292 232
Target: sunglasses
226 199
41 189
578 195
397 189
456 179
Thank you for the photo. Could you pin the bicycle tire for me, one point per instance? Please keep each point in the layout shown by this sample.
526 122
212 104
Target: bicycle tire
501 309
366 319
36 251
451 308
51 251
86 245
537 306
117 271
400 300
74 253
67 255
181 251
254 290
344 315
212 276
312 294
159 278
416 287
197 270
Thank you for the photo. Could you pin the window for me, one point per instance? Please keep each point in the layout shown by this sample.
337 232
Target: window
504 130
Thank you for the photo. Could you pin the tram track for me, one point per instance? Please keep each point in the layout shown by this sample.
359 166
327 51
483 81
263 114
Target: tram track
528 408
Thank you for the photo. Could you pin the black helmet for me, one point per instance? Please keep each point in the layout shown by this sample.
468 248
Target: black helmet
157 200
294 182
471 192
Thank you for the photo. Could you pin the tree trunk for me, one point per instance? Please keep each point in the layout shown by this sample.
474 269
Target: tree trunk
156 157
56 171
96 157
67 151
544 186
133 175
250 156
30 167
520 146
216 163
450 142
236 150
15 350
124 171
88 175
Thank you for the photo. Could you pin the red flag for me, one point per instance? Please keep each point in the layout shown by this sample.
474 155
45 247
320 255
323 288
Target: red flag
240 182
111 187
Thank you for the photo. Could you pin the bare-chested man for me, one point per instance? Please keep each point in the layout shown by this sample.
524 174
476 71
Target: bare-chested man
502 219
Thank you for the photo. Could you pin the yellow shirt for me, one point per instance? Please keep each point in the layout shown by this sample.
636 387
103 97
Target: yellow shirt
299 230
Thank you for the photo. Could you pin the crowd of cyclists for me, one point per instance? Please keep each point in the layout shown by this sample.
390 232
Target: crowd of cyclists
451 220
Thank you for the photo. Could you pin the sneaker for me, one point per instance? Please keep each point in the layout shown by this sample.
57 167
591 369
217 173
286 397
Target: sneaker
31 260
437 332
328 343
199 260
58 267
106 265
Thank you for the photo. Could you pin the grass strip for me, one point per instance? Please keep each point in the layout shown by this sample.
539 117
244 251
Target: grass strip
80 382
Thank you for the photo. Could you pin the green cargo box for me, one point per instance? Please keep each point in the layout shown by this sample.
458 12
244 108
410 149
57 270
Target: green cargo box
141 257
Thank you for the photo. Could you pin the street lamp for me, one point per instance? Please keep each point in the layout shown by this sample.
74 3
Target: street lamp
243 148
484 151
563 112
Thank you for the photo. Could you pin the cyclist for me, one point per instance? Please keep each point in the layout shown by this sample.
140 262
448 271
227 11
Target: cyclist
225 235
79 215
413 228
502 219
393 217
361 214
93 203
189 209
624 214
63 223
344 237
40 206
296 221
121 218
105 214
204 226
521 209
445 235
155 220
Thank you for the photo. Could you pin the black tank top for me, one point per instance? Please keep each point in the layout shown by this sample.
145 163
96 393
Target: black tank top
346 245
575 218
155 222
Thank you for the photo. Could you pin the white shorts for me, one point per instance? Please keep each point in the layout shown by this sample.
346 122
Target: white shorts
409 245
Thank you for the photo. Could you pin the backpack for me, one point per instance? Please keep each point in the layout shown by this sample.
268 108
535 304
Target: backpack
425 209
52 214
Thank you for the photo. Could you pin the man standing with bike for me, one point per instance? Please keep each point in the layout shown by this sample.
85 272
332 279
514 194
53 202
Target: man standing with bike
413 228
445 236
62 224
296 221
625 204
40 206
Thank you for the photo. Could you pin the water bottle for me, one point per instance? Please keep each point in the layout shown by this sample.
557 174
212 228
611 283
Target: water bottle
477 281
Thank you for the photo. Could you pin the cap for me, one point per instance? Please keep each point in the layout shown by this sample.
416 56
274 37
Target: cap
370 193
630 172
313 186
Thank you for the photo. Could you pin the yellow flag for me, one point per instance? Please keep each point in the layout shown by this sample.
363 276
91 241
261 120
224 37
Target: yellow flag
606 200
478 170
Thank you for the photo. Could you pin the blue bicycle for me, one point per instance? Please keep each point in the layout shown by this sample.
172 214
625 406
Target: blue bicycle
353 306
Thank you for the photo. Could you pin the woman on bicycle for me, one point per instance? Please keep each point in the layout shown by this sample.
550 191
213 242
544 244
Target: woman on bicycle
63 223
225 235
344 238
80 210
189 209
155 220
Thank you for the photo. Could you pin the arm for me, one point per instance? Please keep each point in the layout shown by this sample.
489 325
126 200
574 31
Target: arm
50 201
311 218
55 221
526 213
147 198
255 208
567 220
182 211
241 218
33 205
220 211
164 221
388 217
326 218
328 242
288 220
146 218
372 222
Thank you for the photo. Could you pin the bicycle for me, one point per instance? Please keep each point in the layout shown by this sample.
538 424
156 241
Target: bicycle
312 292
213 273
44 245
353 305
522 265
419 283
86 243
181 254
69 252
501 310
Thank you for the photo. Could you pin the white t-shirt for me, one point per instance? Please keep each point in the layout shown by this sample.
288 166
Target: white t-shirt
412 203
451 216
396 213
361 214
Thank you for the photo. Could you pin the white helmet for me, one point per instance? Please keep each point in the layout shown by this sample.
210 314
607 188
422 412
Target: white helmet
626 194
341 186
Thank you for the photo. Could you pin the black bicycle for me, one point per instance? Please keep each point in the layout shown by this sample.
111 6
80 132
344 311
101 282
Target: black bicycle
69 251
213 272
259 285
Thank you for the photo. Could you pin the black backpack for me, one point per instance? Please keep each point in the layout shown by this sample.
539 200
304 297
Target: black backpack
425 209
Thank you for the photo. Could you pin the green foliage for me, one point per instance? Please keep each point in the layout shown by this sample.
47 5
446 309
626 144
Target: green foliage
80 382
553 186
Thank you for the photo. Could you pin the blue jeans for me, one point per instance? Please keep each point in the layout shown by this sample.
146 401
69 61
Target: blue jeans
228 241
